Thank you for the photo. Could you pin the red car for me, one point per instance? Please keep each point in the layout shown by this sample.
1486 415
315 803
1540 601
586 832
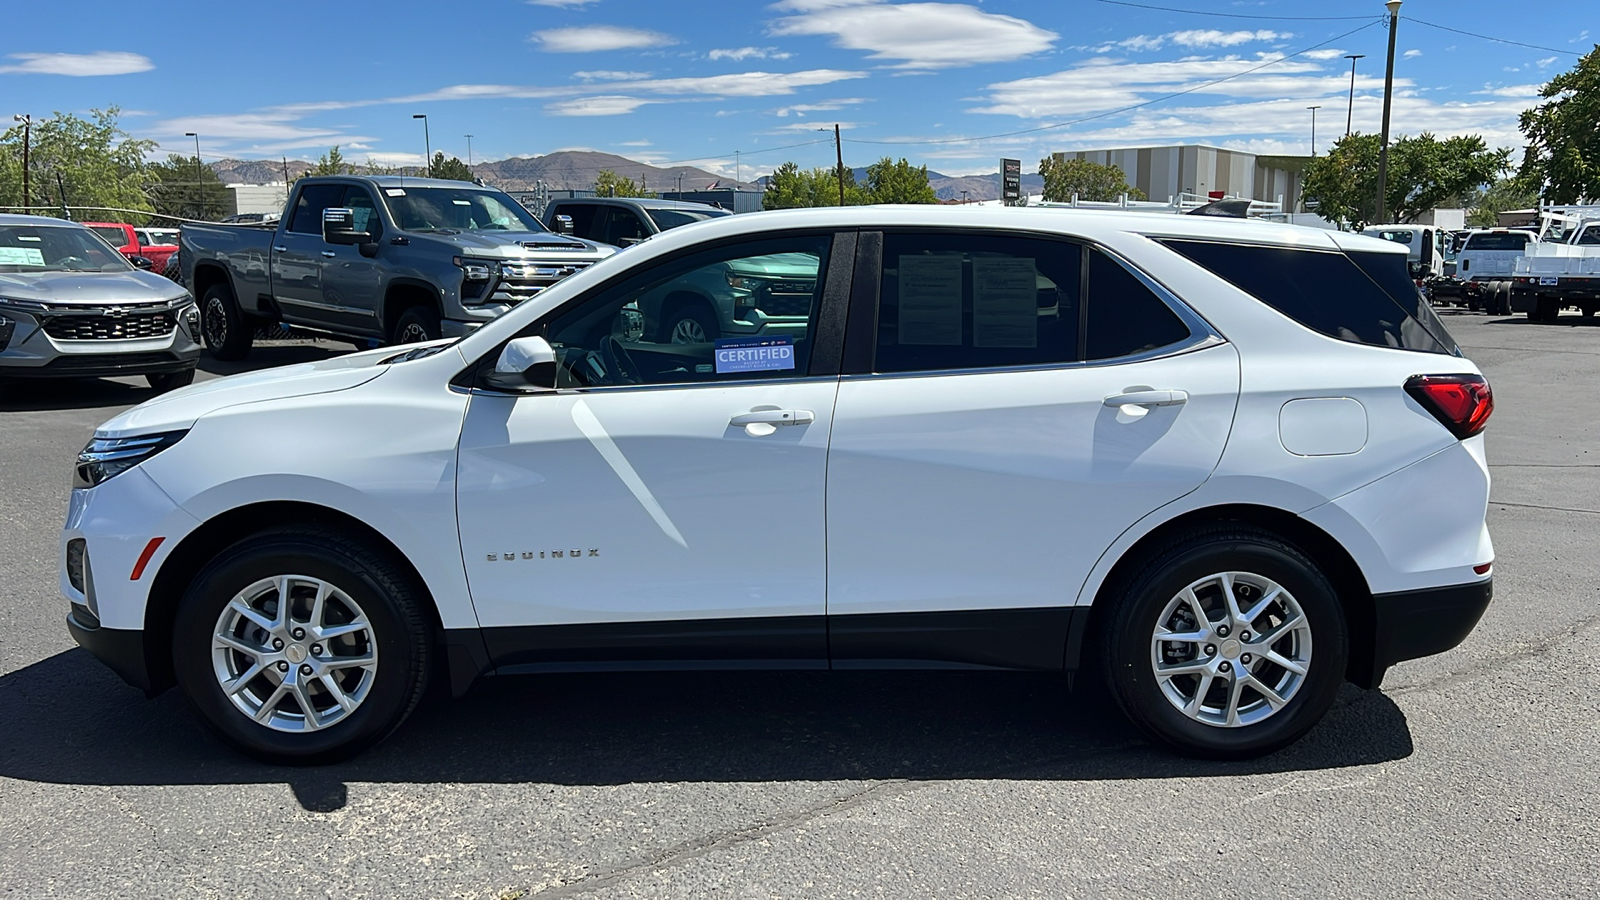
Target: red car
126 239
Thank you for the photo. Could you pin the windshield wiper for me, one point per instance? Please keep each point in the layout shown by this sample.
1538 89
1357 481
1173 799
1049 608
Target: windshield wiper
434 230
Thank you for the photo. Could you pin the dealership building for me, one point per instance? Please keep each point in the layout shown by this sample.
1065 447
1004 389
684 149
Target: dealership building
1164 172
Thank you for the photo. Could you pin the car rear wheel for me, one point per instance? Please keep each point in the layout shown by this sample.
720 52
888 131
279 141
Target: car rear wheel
302 646
227 335
1228 644
168 381
417 325
690 324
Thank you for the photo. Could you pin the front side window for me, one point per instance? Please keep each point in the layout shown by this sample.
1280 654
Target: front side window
622 224
583 219
364 212
454 210
308 207
735 313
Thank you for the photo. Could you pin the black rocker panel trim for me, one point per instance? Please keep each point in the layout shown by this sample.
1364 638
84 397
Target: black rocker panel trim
1034 639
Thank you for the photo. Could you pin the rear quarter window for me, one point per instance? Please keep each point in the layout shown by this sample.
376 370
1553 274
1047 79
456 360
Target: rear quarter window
1363 298
1510 241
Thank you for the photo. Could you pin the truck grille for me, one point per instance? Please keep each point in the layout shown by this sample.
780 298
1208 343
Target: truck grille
521 281
110 327
787 298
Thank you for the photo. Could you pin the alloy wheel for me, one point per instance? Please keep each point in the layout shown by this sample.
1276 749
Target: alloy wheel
216 322
688 331
1231 649
294 653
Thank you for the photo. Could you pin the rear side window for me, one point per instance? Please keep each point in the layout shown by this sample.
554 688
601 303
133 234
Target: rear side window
116 237
313 199
582 216
1328 291
1506 241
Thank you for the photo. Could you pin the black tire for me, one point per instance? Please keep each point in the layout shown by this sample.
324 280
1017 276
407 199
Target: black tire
168 381
1127 650
393 606
679 316
416 325
226 332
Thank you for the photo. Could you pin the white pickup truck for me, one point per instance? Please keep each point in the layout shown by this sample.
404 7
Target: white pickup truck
1563 268
1486 265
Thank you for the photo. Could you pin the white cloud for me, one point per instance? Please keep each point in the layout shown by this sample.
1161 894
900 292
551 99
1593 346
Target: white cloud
800 109
916 35
277 126
739 84
385 158
812 126
604 105
610 75
1411 54
593 38
1211 37
1547 62
1327 53
636 144
564 4
742 53
102 62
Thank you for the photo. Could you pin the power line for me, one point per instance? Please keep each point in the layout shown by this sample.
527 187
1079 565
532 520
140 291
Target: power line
1223 15
1485 37
1129 108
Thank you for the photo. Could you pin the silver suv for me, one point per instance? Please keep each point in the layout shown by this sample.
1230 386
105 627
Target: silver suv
72 306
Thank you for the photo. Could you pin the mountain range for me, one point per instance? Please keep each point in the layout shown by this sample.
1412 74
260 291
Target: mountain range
568 170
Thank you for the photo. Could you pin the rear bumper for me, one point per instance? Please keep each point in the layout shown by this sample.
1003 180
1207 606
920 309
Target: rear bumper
121 650
1414 624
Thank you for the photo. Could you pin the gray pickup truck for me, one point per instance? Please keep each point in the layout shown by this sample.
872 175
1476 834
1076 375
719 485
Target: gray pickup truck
389 259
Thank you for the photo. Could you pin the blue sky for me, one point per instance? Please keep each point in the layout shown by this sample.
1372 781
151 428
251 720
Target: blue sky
945 84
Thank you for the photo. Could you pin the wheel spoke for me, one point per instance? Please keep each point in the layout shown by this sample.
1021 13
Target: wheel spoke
254 615
1182 637
303 700
334 631
1279 630
1192 708
271 703
285 585
1234 690
318 605
233 643
1190 667
1234 615
337 693
348 662
1267 693
1294 665
1198 611
1261 605
233 687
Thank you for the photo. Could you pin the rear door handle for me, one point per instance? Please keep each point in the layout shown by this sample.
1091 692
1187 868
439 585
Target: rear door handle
328 253
774 417
1148 398
281 249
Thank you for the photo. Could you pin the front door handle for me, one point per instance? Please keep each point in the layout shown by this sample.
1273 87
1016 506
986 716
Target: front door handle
281 249
328 253
774 417
1148 398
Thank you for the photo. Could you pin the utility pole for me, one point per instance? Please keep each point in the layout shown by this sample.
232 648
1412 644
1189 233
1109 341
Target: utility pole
427 146
1350 111
1388 92
838 152
469 151
27 137
736 170
199 184
963 198
1313 128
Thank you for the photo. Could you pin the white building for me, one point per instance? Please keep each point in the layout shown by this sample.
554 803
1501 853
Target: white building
257 198
1164 172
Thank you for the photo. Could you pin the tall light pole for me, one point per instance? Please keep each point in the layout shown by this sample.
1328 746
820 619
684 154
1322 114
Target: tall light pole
27 139
1348 113
199 183
469 151
838 152
1313 128
963 198
1388 93
427 146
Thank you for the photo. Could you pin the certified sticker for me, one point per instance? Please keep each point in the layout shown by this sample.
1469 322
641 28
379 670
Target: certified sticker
754 354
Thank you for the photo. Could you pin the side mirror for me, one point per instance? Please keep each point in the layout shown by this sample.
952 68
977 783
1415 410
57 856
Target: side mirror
338 227
562 224
526 364
141 262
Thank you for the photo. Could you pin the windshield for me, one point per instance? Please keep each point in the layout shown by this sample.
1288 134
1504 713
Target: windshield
1397 237
47 248
672 218
457 209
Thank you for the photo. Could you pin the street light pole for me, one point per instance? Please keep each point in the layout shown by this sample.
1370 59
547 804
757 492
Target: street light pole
838 151
1313 128
427 146
469 151
199 183
1350 111
27 137
1388 93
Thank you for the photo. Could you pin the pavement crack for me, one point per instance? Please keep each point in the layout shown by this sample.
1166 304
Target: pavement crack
1538 648
1570 509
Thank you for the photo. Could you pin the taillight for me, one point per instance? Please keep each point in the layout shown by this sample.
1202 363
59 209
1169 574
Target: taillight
1462 403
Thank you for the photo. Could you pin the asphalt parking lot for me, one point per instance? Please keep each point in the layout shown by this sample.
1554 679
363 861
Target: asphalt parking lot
1469 774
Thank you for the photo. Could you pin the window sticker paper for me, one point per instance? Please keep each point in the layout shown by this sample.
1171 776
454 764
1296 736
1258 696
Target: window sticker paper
753 354
395 192
21 256
930 300
1005 306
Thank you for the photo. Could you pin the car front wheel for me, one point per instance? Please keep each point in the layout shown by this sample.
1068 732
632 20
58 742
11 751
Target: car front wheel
1228 644
302 646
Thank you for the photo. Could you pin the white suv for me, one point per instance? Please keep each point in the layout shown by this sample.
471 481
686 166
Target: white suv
1240 464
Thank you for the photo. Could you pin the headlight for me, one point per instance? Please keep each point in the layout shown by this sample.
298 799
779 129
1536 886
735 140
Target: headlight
105 458
475 269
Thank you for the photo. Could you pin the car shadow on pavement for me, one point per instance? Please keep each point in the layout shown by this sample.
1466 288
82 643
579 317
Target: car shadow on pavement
67 720
1568 319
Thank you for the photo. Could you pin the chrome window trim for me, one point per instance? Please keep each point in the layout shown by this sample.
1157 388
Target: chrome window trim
1196 342
672 386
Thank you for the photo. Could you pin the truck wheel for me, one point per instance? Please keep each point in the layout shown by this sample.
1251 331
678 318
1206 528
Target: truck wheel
416 325
302 645
169 381
690 323
227 335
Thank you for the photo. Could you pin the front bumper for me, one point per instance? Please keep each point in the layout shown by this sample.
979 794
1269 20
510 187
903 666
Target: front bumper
121 650
1414 624
29 351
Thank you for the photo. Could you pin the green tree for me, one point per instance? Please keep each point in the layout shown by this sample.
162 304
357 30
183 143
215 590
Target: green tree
1424 173
453 168
182 187
1486 205
898 182
1563 158
792 187
97 163
610 184
1088 180
331 163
